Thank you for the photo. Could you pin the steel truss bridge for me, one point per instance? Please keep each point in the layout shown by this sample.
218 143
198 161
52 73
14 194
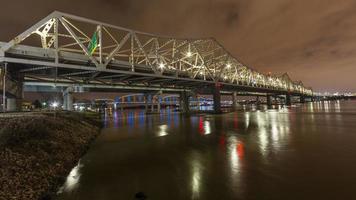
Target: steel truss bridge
67 50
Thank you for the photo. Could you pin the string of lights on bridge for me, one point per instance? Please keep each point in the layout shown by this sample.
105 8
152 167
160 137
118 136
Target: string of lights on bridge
107 46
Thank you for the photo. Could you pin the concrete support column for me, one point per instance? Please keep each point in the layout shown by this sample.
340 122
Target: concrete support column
288 100
3 86
14 86
217 99
68 99
302 99
152 104
269 101
146 102
275 99
11 104
19 91
257 99
158 104
184 102
234 100
196 99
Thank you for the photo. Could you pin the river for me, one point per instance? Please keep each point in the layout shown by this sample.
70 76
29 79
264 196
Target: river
302 152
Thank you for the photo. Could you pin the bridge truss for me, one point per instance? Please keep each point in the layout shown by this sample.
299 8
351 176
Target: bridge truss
69 49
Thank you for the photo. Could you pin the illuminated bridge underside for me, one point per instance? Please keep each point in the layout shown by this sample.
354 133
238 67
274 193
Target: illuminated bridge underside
61 49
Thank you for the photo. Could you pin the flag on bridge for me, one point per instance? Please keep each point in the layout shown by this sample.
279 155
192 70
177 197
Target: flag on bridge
93 44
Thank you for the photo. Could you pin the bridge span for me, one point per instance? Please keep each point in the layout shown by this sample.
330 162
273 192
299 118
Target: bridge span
73 53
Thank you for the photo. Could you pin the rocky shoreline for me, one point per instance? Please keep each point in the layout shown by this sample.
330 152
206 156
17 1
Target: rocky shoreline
37 151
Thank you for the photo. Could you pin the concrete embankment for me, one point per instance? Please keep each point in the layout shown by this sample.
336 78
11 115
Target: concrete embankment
38 150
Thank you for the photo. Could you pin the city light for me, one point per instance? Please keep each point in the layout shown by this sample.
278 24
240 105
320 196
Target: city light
54 104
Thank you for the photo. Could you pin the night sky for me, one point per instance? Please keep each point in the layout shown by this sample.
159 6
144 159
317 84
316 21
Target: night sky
313 40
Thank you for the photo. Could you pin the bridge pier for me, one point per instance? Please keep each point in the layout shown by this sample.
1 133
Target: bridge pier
68 98
11 104
217 99
234 101
288 100
158 104
195 99
3 70
312 99
13 89
184 102
257 100
269 101
146 102
152 104
302 99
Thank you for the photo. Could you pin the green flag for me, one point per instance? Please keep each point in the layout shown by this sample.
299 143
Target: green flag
93 43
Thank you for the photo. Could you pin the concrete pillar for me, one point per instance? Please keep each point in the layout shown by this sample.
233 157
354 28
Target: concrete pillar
269 101
312 98
19 93
275 98
68 99
217 99
257 99
3 70
302 99
158 104
234 100
152 104
194 99
184 102
288 100
14 86
146 103
11 104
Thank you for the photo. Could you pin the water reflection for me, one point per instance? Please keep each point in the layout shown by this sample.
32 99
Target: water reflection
337 106
204 126
273 129
72 180
196 176
162 130
247 120
228 156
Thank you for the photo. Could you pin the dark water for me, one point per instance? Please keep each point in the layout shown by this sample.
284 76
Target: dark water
302 152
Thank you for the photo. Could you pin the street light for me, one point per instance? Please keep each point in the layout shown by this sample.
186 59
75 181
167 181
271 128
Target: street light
161 65
54 105
189 54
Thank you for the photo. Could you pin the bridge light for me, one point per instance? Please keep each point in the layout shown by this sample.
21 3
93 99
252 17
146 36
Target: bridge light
228 66
54 104
201 73
189 54
225 77
161 65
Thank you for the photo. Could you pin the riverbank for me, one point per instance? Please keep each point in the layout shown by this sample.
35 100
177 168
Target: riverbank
38 150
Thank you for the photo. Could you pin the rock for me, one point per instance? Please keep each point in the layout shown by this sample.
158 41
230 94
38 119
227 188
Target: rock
37 152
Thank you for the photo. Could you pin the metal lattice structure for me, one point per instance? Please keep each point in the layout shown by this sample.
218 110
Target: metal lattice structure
113 54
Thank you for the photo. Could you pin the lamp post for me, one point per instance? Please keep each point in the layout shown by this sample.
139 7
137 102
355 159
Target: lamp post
4 89
54 105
